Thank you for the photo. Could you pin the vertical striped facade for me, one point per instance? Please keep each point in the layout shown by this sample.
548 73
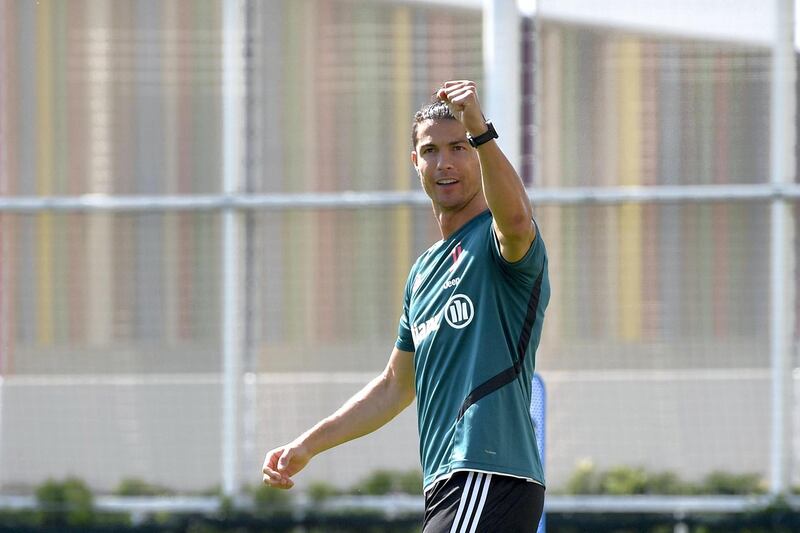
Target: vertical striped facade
624 109
119 98
123 97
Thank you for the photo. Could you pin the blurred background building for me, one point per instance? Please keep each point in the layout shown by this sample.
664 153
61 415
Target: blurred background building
657 349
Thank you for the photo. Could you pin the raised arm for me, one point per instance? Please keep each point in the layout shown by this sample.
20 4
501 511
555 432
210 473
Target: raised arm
377 403
504 191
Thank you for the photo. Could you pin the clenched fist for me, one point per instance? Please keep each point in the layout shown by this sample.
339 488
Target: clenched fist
462 97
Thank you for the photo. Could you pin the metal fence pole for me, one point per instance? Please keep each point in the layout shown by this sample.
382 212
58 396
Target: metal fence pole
502 74
781 172
232 115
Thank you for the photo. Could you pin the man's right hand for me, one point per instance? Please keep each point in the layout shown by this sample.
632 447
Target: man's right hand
282 463
373 406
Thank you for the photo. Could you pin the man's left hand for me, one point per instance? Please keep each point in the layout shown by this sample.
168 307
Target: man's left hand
462 97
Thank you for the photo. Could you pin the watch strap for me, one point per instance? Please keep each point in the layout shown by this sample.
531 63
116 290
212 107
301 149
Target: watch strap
484 137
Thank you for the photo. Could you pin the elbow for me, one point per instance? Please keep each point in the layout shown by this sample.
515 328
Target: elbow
400 391
404 393
407 396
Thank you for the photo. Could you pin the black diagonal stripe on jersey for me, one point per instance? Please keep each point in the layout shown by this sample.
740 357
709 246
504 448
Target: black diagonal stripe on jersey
509 374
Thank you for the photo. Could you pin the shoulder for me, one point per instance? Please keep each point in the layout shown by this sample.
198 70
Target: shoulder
529 265
429 255
419 265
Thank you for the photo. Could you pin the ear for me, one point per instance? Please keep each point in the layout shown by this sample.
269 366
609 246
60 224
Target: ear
414 159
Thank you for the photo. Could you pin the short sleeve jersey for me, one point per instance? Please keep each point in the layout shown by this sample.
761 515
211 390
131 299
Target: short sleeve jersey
473 321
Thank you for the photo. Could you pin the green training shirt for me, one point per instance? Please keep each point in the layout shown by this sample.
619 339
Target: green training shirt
473 321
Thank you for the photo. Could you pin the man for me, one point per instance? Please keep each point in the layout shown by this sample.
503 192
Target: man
472 317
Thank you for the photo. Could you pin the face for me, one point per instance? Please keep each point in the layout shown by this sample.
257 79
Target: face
448 166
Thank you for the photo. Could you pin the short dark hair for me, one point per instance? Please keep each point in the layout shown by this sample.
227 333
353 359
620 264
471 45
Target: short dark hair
434 110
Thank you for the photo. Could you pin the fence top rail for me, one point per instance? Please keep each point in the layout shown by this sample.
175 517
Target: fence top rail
373 199
673 375
679 505
658 504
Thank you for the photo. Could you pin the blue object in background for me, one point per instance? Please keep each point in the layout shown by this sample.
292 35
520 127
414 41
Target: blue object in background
538 408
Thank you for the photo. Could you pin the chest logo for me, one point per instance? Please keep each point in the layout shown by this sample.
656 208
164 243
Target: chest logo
456 255
459 311
451 283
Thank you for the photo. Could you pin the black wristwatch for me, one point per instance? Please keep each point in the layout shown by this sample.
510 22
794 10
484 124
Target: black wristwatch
484 137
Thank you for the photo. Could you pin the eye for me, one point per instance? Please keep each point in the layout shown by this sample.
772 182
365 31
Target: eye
427 149
459 147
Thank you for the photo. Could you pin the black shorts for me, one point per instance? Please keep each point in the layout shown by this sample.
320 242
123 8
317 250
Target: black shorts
475 502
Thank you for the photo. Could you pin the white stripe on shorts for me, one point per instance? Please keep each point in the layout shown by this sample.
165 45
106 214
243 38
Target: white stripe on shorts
476 488
472 501
464 494
479 512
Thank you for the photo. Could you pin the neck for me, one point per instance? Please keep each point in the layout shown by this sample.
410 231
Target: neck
451 220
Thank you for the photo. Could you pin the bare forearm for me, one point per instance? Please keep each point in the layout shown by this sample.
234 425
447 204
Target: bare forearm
368 410
504 191
377 403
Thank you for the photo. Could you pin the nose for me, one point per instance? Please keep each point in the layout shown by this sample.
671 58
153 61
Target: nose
444 160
